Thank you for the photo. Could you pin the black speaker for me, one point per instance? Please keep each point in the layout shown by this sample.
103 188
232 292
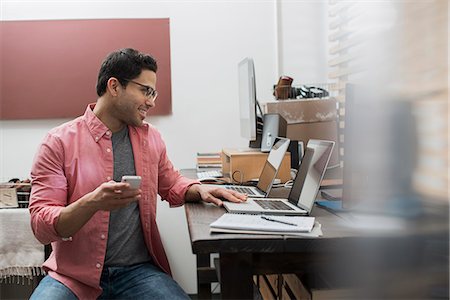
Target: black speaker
273 125
296 150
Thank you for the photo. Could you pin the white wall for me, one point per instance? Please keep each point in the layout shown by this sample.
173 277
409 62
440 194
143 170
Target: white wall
302 40
208 39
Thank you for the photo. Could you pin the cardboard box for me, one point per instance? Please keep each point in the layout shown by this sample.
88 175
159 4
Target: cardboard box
245 165
318 130
268 286
292 286
304 111
309 119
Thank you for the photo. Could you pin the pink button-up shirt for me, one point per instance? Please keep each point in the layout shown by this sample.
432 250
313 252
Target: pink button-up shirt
73 160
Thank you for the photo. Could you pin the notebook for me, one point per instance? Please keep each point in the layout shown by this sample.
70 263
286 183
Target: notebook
268 173
257 224
304 189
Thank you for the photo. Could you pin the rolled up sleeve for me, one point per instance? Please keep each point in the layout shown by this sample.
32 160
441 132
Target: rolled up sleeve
172 186
48 191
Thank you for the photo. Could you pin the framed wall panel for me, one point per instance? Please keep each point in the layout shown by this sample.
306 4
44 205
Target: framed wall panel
49 68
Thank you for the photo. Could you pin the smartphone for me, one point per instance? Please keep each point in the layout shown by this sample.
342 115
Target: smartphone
134 181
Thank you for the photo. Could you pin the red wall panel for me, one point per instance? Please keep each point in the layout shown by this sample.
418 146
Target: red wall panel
49 68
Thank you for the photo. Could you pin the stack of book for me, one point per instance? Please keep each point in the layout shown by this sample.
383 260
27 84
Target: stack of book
209 161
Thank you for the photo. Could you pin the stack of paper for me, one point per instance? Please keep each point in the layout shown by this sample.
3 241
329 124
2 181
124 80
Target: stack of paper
261 224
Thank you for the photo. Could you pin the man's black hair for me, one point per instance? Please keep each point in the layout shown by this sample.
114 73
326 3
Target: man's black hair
123 64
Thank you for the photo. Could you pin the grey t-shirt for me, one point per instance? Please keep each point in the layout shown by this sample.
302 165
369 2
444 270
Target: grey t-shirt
126 245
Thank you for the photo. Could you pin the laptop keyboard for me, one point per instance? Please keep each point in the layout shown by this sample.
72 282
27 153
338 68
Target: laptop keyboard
273 204
241 189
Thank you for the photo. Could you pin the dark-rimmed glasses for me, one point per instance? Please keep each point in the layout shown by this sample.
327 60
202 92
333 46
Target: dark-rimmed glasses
150 92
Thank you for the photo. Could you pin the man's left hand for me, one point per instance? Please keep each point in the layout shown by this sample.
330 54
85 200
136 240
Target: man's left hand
214 195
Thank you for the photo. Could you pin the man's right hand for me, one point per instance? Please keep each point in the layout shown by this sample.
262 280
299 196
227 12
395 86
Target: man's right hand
113 195
107 196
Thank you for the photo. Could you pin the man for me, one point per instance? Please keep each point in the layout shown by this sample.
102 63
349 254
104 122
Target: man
104 235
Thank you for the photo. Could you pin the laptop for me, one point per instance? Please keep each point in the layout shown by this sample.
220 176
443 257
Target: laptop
304 189
268 173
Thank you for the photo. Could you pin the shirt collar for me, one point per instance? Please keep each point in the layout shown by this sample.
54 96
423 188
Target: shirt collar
98 129
95 125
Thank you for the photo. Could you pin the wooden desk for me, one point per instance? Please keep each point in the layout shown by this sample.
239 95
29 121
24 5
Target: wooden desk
242 255
379 263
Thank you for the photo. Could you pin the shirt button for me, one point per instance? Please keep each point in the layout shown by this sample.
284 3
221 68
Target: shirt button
108 133
102 236
108 178
98 265
96 138
108 150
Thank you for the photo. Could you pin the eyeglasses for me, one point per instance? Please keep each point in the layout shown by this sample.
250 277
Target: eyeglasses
150 92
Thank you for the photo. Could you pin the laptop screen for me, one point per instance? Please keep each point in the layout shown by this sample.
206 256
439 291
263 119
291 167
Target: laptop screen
272 164
267 175
310 174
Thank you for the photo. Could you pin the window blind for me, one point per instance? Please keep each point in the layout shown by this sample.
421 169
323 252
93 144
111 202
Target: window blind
407 43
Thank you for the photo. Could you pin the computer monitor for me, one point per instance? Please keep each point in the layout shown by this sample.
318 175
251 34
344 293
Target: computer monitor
250 121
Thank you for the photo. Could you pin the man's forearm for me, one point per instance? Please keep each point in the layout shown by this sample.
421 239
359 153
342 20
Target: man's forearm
74 216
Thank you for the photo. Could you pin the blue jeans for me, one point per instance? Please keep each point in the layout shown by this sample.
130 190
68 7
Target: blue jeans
142 281
50 288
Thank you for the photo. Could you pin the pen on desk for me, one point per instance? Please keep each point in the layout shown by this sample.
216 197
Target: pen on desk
278 221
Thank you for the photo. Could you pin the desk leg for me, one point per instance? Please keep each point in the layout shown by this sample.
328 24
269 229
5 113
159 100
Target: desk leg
236 280
203 288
